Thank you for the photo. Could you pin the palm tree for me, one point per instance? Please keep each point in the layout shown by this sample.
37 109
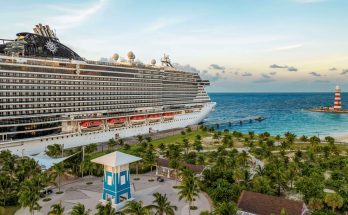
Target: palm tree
198 145
243 158
148 139
188 190
315 203
79 209
251 135
162 205
333 200
186 145
7 188
175 164
304 138
150 158
314 141
140 139
59 171
225 208
121 142
29 195
54 150
135 208
111 143
91 148
260 171
105 209
56 209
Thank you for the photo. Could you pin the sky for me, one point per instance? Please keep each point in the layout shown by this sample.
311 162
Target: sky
239 45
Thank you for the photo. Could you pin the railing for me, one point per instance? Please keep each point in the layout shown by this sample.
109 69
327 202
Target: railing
29 121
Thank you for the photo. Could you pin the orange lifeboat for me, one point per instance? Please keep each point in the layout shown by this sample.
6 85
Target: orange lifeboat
117 120
154 117
168 116
90 124
137 119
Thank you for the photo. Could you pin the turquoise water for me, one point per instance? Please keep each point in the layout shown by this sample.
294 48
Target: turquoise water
284 112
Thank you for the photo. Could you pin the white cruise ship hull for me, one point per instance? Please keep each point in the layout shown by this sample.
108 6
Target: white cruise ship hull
37 145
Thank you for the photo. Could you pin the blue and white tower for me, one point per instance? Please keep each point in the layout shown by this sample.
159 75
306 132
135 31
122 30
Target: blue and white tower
117 185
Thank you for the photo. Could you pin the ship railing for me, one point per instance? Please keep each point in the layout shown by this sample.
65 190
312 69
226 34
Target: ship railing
29 121
65 60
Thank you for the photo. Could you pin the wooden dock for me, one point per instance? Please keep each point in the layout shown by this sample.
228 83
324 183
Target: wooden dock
238 121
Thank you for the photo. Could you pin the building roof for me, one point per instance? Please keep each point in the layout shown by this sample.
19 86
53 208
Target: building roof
46 161
116 159
262 204
195 168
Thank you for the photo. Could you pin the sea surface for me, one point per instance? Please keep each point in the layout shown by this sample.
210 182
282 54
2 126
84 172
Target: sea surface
283 111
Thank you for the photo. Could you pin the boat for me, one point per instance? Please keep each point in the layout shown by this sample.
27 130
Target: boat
52 95
154 118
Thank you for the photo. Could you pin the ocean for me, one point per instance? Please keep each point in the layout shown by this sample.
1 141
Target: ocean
283 111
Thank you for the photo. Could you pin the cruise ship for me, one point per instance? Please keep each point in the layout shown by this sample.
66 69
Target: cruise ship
51 95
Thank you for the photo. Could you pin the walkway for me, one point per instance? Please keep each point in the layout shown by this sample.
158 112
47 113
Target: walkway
89 195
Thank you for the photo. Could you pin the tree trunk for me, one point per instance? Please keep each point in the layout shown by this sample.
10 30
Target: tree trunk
189 208
59 183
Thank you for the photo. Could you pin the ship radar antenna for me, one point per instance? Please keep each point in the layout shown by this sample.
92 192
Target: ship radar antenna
153 62
131 57
115 57
166 61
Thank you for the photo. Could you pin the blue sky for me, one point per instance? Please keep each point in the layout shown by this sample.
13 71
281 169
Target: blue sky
240 45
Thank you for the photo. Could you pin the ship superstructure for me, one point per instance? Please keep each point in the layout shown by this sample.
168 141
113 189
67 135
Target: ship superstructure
49 94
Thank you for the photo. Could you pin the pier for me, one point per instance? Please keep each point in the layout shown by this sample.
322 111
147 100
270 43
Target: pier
238 121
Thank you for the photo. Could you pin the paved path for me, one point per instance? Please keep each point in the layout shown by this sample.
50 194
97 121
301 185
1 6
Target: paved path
89 195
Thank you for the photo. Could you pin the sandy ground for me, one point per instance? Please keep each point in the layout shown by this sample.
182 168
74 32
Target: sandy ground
341 138
89 195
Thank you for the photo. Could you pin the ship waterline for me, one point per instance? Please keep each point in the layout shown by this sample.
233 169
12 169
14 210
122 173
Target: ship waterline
49 94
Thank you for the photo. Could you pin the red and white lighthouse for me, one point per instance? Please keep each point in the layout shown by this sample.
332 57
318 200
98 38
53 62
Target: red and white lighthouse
337 104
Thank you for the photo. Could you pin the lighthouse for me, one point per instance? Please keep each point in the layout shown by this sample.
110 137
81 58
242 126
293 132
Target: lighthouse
337 104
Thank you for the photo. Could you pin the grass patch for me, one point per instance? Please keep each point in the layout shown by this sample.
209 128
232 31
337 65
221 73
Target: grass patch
136 179
178 137
88 183
59 192
9 210
175 187
151 180
46 199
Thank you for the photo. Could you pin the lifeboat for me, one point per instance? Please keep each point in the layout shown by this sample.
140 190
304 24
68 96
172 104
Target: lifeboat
138 119
154 117
91 124
168 116
117 122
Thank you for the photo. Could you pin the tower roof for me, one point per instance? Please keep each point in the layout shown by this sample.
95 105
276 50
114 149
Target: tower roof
116 159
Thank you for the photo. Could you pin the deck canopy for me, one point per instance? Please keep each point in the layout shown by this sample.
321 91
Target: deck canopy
115 159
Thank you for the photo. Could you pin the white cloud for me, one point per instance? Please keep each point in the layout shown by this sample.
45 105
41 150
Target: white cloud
289 47
72 17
